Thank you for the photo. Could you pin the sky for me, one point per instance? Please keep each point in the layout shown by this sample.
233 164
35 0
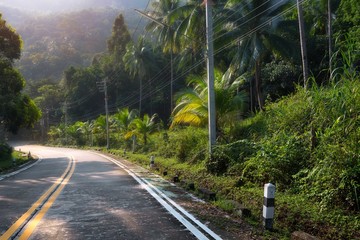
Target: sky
70 5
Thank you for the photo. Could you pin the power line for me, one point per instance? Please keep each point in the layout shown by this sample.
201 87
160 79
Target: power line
164 84
82 100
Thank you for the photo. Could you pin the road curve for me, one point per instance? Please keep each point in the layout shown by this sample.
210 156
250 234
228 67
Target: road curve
93 198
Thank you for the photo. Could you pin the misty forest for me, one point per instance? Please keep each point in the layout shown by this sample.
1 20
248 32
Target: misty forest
132 80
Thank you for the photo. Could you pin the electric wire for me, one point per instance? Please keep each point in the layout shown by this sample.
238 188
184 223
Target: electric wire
166 83
245 35
148 83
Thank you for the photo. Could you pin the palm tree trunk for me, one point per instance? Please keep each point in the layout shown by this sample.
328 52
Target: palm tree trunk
151 98
140 96
251 90
145 138
330 38
258 84
2 132
303 42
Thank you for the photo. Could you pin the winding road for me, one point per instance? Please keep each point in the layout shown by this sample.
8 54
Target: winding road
78 194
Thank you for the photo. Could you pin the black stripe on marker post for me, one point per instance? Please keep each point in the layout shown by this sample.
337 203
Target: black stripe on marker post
269 206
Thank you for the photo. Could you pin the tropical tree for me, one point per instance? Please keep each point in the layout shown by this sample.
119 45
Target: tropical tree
120 37
81 132
321 14
189 19
10 42
141 61
255 29
75 134
161 25
192 107
99 129
16 109
82 94
143 127
122 119
304 54
165 33
57 133
348 30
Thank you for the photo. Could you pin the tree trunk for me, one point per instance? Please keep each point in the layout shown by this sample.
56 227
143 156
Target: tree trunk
145 139
258 84
251 91
140 97
303 43
330 38
2 132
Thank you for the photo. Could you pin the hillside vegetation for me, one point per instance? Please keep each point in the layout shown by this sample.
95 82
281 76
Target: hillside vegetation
273 122
307 144
54 42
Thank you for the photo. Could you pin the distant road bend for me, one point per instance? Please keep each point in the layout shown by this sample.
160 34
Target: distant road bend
75 194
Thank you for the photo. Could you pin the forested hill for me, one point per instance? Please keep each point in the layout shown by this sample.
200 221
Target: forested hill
71 5
53 42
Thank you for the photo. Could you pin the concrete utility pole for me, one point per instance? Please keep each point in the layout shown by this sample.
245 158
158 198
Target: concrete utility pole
210 75
103 88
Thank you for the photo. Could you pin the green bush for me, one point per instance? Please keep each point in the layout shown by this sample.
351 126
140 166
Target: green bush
189 144
226 156
5 152
279 79
279 158
311 138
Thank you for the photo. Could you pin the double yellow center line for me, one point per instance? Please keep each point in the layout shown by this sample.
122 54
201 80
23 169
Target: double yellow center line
32 217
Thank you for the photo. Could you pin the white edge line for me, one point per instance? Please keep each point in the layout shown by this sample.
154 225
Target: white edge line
20 170
186 213
181 209
171 210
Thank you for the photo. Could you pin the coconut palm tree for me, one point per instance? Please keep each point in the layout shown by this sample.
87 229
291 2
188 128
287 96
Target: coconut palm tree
165 32
322 12
57 132
143 127
190 32
161 25
122 120
77 133
99 129
85 130
140 61
192 107
255 28
303 42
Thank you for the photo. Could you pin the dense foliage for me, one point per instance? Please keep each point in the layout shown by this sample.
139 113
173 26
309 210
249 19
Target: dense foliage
5 152
16 109
305 139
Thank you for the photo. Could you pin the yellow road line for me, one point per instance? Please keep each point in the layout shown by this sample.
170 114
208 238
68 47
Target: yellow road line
26 215
34 222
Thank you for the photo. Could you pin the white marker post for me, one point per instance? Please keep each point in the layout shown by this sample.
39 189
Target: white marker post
269 206
152 162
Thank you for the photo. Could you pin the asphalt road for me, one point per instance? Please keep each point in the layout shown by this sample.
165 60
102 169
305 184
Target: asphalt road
73 194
